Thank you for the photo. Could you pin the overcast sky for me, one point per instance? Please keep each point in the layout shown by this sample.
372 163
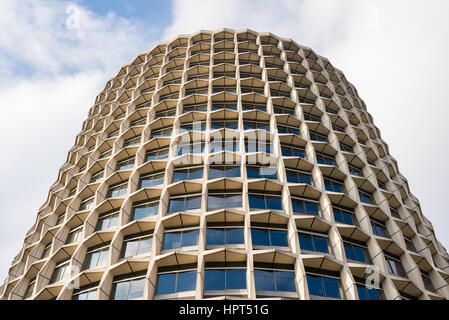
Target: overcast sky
394 52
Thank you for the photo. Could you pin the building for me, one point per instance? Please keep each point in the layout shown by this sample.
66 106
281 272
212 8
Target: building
229 164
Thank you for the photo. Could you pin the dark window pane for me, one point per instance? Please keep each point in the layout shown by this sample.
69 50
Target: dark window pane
285 281
331 286
215 236
315 286
172 240
274 203
305 241
279 238
166 283
214 280
236 279
190 238
234 236
260 237
264 280
186 281
321 244
256 201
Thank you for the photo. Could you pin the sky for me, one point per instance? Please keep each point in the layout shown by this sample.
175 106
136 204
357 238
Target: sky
57 55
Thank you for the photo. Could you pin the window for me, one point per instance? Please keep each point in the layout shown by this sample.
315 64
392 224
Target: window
156 154
357 252
117 190
151 179
97 176
60 219
249 74
427 282
274 280
71 192
409 244
174 239
232 105
74 234
183 203
229 144
379 228
128 288
172 282
259 145
125 164
107 220
165 113
298 176
284 110
224 171
355 171
195 107
196 126
282 128
145 209
161 132
221 199
273 235
136 244
86 204
216 89
337 128
394 265
259 201
218 74
345 147
324 286
256 124
188 173
105 154
262 106
190 147
60 272
366 197
200 90
224 123
224 279
314 242
311 117
381 185
334 185
344 215
96 256
138 122
46 251
261 172
316 136
278 93
292 151
395 213
223 234
30 288
249 89
325 159
133 141
305 206
88 292
370 293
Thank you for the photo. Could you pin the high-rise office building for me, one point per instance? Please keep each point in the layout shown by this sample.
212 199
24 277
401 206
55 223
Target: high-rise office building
229 164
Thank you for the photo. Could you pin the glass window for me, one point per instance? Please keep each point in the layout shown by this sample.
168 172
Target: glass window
125 164
156 154
107 220
292 151
269 237
224 105
427 282
297 176
151 180
161 132
179 239
74 234
225 199
230 145
334 185
256 124
225 279
128 289
303 206
190 147
131 141
196 126
355 171
257 146
146 209
366 197
182 203
314 243
181 174
136 244
224 235
96 256
346 216
356 252
325 159
369 293
274 280
176 282
282 128
97 176
379 228
85 294
261 201
30 288
117 190
394 266
60 272
224 171
260 172
86 204
323 286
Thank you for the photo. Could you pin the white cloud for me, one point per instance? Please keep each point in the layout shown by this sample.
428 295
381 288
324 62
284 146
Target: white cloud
395 53
49 78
